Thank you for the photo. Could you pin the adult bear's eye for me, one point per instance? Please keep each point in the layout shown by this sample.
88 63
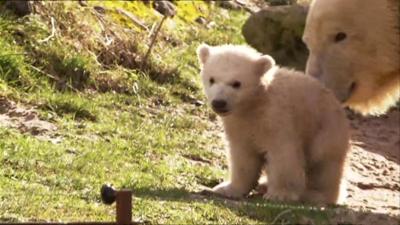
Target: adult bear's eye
212 80
236 84
340 37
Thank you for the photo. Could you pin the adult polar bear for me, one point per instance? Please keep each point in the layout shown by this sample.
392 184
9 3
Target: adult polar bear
355 51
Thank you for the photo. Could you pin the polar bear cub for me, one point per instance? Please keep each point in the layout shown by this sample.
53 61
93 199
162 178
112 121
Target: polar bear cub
277 119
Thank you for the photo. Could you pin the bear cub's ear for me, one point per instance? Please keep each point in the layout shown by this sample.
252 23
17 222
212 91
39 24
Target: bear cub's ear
263 64
203 53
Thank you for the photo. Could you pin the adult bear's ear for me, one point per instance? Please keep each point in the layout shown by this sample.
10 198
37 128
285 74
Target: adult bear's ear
203 53
263 64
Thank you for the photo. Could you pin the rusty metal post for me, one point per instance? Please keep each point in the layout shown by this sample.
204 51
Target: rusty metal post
124 207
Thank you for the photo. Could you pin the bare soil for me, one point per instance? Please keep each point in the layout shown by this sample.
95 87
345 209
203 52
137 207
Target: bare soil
373 173
25 119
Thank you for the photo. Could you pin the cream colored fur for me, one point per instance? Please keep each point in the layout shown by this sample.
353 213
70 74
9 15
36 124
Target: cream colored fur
368 58
280 119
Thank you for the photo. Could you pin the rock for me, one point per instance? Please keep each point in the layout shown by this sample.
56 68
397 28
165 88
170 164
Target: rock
201 20
99 9
20 8
277 31
166 8
83 3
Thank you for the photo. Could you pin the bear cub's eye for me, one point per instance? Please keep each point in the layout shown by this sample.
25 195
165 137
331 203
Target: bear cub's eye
212 80
340 37
236 84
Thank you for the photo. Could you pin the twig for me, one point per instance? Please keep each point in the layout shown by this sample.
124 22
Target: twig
99 19
104 29
53 31
151 32
135 20
153 41
280 215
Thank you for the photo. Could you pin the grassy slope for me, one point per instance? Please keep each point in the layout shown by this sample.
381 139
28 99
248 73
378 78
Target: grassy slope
140 132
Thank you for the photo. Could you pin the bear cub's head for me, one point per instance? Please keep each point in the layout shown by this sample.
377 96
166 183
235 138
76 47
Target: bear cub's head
231 75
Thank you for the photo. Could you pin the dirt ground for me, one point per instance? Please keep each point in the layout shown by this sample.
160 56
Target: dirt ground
373 173
25 119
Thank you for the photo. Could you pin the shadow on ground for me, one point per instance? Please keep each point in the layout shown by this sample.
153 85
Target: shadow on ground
266 212
379 135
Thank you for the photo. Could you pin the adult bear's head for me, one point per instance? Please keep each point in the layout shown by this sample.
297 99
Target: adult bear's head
355 51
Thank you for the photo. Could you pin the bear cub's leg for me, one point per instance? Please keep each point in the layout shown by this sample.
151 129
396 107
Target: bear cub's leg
286 174
244 169
326 164
324 179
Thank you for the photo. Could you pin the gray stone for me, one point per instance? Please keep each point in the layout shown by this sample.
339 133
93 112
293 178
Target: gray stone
277 31
100 9
166 8
201 20
83 3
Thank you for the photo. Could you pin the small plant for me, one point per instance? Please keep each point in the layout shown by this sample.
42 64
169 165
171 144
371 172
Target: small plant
67 69
13 68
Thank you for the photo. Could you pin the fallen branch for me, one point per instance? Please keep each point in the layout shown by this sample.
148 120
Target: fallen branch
104 29
167 9
53 31
100 20
153 41
151 32
135 20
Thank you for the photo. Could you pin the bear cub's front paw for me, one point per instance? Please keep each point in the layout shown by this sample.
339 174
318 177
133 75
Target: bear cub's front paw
226 189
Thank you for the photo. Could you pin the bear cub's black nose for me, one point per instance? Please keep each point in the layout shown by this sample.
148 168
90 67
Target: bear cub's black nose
218 104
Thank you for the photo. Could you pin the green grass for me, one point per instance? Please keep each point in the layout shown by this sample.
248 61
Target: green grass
118 125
